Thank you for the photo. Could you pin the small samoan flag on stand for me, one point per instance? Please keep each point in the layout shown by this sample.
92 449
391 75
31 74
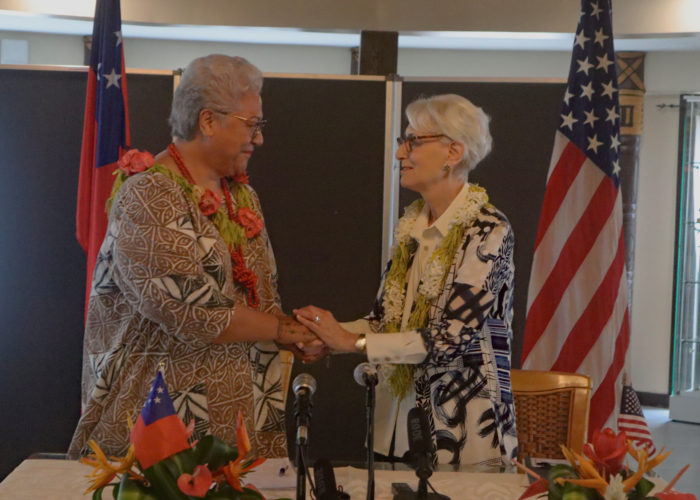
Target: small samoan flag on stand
158 432
632 421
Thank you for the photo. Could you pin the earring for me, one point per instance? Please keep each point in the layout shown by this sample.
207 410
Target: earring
446 169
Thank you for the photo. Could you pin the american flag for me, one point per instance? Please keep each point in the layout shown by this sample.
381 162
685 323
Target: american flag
632 421
577 317
105 129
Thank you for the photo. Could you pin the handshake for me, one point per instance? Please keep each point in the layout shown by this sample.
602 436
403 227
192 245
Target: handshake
311 333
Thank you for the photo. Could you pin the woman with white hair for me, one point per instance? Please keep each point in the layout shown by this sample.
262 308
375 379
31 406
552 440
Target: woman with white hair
186 281
440 329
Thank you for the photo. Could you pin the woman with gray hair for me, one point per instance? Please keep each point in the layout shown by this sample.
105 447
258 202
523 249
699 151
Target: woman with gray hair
185 280
440 329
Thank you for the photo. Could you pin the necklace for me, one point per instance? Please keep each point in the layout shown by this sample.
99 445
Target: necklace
245 218
433 278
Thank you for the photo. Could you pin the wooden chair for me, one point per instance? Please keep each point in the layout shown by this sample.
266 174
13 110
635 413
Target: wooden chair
551 408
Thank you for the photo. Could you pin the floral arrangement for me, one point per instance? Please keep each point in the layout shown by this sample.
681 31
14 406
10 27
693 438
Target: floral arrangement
434 276
209 469
600 473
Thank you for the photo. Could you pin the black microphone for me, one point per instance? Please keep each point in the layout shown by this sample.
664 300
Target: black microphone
420 442
365 374
324 477
304 386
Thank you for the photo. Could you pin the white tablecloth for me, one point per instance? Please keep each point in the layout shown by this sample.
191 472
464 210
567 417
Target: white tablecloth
65 480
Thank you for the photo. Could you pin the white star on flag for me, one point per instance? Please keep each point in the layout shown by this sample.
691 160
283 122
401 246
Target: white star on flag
603 62
569 120
581 39
612 115
609 89
614 142
616 167
584 66
593 143
596 10
160 390
600 37
587 90
567 95
118 34
157 399
113 79
591 118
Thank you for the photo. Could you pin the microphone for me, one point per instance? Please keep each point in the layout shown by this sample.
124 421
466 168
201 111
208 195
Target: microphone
304 386
324 477
365 374
420 443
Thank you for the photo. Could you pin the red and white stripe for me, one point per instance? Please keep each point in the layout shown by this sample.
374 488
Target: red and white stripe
577 318
637 431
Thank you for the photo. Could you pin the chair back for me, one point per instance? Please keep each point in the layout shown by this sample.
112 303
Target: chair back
551 408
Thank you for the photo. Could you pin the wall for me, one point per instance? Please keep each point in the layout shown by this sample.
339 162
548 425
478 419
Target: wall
667 74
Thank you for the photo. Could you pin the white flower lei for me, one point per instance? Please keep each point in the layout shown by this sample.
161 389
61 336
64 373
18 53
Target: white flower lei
432 281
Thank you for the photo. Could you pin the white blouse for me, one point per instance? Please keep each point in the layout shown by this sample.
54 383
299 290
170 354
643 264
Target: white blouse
407 346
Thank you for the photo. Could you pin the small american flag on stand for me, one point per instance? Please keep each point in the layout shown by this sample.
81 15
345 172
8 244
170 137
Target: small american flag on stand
632 421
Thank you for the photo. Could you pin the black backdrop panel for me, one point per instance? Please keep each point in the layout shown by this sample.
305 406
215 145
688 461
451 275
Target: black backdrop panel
319 175
524 117
42 266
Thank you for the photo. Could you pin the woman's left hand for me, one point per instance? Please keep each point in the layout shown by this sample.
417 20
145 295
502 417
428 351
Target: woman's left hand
324 324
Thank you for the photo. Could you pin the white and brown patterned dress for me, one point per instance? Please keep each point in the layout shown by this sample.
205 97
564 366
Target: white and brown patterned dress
162 290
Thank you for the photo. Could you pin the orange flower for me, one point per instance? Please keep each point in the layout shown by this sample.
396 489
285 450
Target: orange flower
236 469
104 469
196 484
209 203
250 221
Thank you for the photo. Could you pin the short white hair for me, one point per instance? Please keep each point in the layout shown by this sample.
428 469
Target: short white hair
215 81
456 117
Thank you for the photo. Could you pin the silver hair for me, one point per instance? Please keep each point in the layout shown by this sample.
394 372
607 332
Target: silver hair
457 118
214 81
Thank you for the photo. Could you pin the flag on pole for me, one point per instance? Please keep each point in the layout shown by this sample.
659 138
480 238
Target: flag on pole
577 315
632 421
105 129
158 432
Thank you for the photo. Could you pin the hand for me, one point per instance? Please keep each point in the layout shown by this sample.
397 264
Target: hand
324 324
290 331
309 352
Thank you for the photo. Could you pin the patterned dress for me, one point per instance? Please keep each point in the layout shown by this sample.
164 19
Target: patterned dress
162 290
463 383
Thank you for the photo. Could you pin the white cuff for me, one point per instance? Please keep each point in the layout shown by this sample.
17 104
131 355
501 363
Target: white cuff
401 347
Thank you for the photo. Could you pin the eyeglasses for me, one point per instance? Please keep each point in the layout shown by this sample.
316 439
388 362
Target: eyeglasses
413 141
254 124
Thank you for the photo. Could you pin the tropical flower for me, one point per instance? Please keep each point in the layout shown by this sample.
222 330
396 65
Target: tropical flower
237 468
252 224
105 469
607 451
209 203
135 161
196 484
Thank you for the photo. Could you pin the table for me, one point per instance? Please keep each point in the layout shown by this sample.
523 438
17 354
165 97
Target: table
65 480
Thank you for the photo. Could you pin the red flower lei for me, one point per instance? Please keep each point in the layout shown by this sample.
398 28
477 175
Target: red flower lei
209 205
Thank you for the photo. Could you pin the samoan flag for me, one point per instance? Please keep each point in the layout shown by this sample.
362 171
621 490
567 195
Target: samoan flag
158 432
105 129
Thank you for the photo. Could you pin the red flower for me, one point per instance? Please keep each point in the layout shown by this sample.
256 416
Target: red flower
607 451
135 161
242 178
209 203
250 221
196 484
236 469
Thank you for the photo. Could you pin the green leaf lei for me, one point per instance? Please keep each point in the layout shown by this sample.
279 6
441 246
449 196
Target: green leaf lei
438 264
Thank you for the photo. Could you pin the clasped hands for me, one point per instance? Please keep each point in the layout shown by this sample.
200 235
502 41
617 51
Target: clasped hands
312 332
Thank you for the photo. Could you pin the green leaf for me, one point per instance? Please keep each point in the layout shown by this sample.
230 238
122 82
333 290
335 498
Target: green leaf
214 452
133 490
555 490
576 492
643 487
163 478
97 494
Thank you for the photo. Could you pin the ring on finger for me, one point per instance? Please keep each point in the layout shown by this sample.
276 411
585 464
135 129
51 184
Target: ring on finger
317 319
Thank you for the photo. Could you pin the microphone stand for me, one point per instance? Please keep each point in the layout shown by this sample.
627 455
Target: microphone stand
301 470
370 439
